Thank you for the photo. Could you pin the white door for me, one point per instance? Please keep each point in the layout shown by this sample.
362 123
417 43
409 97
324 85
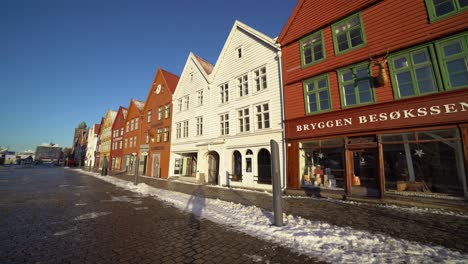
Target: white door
156 165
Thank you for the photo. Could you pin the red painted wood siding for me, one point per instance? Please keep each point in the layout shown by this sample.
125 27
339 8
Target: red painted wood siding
392 24
119 123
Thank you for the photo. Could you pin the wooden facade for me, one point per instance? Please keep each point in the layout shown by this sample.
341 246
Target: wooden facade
389 29
116 152
131 145
105 136
156 127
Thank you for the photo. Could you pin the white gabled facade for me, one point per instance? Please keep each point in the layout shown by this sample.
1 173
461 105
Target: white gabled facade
241 112
249 65
190 118
91 146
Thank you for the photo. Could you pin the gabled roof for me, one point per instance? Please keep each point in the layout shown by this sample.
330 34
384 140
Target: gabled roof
203 66
254 33
311 15
124 112
139 104
96 128
171 80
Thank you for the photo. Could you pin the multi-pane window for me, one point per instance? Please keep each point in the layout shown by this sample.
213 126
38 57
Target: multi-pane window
243 85
178 130
263 116
121 131
224 124
131 142
224 91
185 129
147 138
160 112
126 143
413 73
453 61
186 102
127 126
244 120
132 124
317 94
199 125
179 104
167 111
159 135
312 49
355 85
150 113
348 34
136 123
166 134
438 9
120 144
200 97
260 79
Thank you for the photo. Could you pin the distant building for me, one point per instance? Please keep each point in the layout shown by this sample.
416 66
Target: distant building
48 152
6 156
79 143
93 133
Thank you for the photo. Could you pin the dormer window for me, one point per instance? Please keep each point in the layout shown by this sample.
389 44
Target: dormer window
239 52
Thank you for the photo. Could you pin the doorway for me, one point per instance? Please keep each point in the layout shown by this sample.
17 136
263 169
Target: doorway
365 172
156 165
213 167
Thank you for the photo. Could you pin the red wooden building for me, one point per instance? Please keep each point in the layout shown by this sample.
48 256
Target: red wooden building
132 134
375 98
116 150
155 135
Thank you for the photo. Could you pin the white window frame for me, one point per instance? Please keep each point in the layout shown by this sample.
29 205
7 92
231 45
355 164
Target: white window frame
224 92
243 85
260 79
160 112
262 115
199 125
200 97
150 115
224 124
178 130
243 119
166 134
185 129
167 111
186 102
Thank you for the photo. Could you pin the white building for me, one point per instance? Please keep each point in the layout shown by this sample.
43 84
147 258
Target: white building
241 113
91 146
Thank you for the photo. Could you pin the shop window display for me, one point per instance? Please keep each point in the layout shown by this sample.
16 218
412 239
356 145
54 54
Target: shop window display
322 164
427 161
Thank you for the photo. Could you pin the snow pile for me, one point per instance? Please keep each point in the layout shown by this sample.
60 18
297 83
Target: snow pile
90 216
314 238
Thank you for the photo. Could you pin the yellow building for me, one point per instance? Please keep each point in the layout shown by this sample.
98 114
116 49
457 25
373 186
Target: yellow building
105 136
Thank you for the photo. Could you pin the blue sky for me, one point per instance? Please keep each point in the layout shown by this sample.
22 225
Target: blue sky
66 61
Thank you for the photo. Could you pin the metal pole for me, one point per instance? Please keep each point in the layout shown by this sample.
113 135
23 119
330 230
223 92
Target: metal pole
136 170
275 174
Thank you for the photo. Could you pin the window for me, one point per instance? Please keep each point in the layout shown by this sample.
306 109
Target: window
167 111
120 144
132 124
412 72
312 49
126 143
453 61
158 135
199 125
179 104
438 9
136 123
166 134
260 79
121 131
239 52
147 139
355 85
263 116
185 129
224 124
317 94
237 166
200 97
150 113
160 112
348 34
244 120
127 126
264 166
186 102
248 160
224 91
135 141
243 85
178 130
131 142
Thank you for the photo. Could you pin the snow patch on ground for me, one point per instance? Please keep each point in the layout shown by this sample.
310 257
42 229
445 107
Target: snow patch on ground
80 204
90 215
313 238
123 198
65 232
141 208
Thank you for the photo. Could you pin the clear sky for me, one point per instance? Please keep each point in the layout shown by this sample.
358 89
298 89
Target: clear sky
67 61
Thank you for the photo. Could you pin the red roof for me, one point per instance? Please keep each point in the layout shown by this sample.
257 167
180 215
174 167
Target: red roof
207 67
171 80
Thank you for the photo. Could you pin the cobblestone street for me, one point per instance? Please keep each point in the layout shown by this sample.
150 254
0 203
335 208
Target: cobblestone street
52 215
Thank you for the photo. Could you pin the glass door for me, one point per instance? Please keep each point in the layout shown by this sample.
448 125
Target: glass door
365 172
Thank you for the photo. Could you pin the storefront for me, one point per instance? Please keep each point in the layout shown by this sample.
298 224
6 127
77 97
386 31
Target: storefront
412 147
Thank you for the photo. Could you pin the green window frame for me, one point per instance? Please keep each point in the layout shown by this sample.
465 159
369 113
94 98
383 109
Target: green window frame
317 97
312 49
356 86
440 9
348 34
414 72
453 60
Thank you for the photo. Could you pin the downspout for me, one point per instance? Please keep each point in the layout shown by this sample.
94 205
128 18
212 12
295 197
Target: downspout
280 67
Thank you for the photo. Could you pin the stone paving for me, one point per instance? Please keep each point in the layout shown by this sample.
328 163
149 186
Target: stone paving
432 229
53 215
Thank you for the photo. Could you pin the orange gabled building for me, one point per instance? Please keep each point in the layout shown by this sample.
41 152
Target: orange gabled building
116 152
131 137
156 125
